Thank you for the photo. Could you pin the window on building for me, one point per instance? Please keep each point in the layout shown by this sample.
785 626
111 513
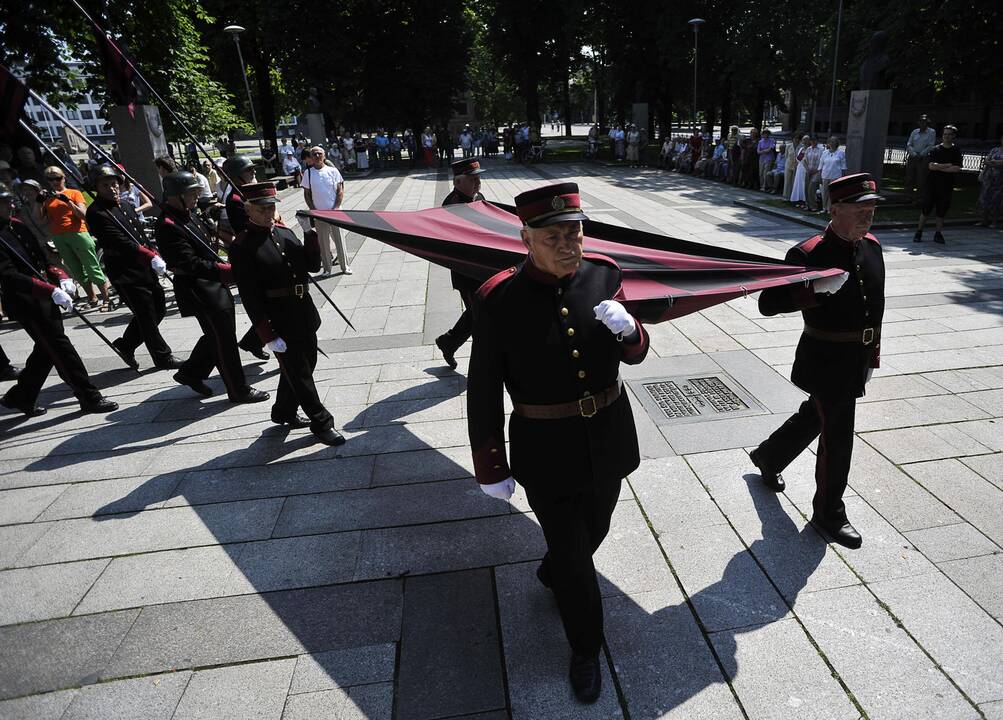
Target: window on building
87 114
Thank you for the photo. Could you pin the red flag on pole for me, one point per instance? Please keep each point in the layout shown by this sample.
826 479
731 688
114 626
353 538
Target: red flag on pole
119 71
13 96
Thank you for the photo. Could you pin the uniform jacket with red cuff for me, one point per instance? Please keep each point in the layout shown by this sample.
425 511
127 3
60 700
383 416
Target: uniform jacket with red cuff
822 367
22 266
199 278
125 253
277 261
537 336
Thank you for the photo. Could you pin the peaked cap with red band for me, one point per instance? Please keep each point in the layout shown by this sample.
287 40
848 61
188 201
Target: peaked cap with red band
466 166
858 187
550 204
262 193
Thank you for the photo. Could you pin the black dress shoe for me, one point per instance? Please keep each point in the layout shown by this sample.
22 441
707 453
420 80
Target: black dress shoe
101 405
255 350
252 395
771 478
447 351
9 372
170 363
938 238
918 237
28 410
130 358
198 386
586 677
840 530
330 436
543 575
296 421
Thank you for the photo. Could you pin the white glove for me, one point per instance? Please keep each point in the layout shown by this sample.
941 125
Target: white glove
615 316
277 345
502 490
61 299
867 378
830 285
158 265
67 286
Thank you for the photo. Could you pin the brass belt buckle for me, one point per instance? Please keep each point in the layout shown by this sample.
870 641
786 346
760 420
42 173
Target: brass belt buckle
581 406
298 290
868 336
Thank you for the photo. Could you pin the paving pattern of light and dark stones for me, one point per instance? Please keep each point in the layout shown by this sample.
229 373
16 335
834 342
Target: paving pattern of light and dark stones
183 558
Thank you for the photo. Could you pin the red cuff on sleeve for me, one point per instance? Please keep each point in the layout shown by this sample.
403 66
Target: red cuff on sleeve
57 272
225 273
490 463
41 289
144 255
264 331
635 349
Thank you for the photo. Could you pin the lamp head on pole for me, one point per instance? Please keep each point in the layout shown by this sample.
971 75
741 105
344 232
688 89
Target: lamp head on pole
234 30
696 23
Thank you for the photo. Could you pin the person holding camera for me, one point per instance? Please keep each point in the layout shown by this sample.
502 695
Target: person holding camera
66 210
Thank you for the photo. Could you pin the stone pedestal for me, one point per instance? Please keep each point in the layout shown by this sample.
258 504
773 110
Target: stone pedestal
140 140
315 126
639 115
867 131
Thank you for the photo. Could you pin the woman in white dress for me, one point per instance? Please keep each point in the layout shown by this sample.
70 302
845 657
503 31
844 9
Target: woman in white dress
798 195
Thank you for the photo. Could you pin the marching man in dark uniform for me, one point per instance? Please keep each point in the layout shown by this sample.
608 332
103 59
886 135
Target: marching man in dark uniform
133 267
273 269
240 169
32 292
466 189
553 333
839 348
200 289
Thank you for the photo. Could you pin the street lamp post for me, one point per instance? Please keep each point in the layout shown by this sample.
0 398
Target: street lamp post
696 23
235 31
835 60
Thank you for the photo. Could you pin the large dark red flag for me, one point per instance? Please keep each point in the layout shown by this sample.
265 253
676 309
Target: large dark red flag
119 71
13 96
663 277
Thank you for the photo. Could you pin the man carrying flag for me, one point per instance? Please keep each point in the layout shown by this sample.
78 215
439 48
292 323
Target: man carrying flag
466 189
33 292
200 289
133 268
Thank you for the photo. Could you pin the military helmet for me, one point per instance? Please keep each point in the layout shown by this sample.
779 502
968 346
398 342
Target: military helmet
178 182
236 166
106 171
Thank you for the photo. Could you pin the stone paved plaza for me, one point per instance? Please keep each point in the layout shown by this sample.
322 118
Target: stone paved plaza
184 558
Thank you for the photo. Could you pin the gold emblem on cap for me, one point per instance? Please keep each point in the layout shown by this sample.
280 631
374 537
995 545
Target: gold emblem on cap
557 203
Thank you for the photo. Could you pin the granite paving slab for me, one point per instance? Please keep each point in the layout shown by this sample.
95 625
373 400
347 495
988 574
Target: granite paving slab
41 593
153 697
256 691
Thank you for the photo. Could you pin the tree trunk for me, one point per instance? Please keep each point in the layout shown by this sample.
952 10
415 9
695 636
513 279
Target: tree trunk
793 112
727 106
757 111
266 100
566 101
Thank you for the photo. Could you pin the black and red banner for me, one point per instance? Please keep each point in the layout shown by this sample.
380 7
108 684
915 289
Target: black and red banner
663 277
13 96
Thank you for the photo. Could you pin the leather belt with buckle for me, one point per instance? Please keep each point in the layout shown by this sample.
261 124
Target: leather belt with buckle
297 290
866 336
586 407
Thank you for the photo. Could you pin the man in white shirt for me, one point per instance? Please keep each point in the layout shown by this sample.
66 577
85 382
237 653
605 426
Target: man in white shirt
324 189
921 141
833 167
813 173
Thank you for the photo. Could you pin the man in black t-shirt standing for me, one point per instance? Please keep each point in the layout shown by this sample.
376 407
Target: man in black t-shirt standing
945 161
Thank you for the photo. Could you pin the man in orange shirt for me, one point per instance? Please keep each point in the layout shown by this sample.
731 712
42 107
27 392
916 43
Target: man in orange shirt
65 210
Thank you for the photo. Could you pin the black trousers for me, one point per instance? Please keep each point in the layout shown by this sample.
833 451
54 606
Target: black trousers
52 349
4 360
296 386
250 340
217 348
831 421
574 527
148 309
460 332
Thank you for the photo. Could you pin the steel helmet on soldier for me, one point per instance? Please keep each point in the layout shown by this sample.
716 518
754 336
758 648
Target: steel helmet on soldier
106 171
236 166
177 183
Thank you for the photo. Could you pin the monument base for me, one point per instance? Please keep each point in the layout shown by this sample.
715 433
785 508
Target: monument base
315 128
140 140
867 131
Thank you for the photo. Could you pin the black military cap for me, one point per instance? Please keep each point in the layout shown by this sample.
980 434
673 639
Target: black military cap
262 193
466 166
550 204
855 188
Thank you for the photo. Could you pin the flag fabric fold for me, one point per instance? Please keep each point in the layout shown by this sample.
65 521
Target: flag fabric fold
13 96
663 277
120 73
